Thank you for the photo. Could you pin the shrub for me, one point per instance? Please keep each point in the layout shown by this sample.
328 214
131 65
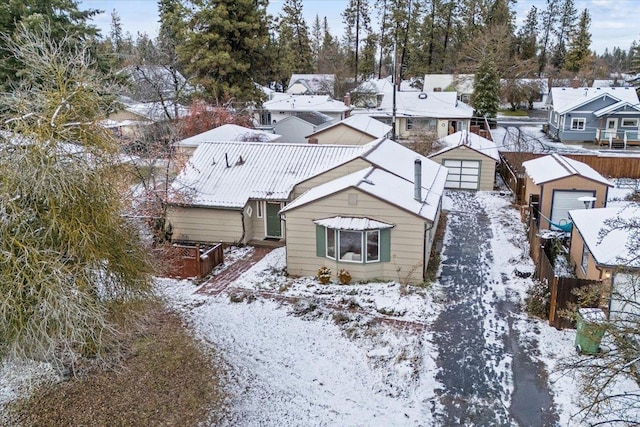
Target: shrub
538 300
324 274
344 277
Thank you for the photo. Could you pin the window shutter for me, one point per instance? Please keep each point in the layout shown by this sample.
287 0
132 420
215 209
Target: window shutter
385 245
321 245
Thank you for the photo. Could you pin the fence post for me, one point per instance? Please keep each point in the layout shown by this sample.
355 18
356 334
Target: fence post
554 302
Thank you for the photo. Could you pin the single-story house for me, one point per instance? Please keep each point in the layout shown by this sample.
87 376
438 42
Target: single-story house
228 132
599 251
560 184
600 115
312 84
232 192
462 84
378 222
355 130
284 105
295 128
470 159
417 112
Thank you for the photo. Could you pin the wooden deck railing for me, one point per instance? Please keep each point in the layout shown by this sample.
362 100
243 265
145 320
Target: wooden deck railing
194 261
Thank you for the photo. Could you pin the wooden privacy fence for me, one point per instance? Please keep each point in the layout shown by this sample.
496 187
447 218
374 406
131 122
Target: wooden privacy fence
513 178
561 288
194 261
608 165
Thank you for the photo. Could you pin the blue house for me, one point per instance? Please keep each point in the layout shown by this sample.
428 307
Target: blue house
602 115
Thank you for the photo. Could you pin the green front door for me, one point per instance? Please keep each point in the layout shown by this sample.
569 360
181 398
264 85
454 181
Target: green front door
274 227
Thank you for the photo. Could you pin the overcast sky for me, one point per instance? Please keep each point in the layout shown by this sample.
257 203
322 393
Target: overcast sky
613 22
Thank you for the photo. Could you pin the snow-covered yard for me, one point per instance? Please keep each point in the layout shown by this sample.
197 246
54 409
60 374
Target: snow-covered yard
302 353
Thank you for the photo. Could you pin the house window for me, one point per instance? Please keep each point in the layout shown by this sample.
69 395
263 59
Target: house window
331 243
630 123
585 258
354 246
421 124
373 245
578 124
265 118
259 208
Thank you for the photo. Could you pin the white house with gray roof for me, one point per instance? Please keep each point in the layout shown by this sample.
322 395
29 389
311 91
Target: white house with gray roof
284 105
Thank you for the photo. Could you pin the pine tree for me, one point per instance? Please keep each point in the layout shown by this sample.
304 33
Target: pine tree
548 24
527 42
357 20
225 47
486 90
566 26
579 52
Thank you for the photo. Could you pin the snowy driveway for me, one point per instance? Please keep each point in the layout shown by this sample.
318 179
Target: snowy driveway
485 377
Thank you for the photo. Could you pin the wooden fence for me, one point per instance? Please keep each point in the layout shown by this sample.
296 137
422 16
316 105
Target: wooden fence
194 261
513 177
561 288
608 165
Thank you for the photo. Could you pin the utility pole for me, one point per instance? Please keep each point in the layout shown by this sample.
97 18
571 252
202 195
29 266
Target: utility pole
394 135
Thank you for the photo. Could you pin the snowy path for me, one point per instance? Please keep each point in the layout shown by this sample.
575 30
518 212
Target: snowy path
484 373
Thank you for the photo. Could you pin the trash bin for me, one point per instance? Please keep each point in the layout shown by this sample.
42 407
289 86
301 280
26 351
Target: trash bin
589 330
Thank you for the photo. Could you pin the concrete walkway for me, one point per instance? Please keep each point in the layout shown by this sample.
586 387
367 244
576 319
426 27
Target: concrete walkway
487 378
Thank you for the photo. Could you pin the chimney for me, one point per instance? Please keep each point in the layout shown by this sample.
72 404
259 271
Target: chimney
417 180
347 99
575 83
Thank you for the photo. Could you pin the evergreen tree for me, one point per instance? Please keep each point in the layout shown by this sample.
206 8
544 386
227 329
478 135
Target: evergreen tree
225 47
548 24
579 53
316 40
527 36
566 25
486 89
63 17
357 20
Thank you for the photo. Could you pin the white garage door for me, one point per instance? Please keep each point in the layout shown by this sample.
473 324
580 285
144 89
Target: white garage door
564 201
463 174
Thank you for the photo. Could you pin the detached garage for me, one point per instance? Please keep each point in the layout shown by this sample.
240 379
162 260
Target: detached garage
470 159
560 184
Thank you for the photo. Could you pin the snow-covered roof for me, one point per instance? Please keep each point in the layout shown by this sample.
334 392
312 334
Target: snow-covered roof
314 83
156 111
363 123
421 104
618 106
319 103
151 81
615 247
229 132
555 166
379 183
566 99
352 223
462 83
471 140
228 174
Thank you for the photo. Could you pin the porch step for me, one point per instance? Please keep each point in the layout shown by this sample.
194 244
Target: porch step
267 243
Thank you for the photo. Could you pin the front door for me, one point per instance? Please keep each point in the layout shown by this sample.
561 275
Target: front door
612 128
274 226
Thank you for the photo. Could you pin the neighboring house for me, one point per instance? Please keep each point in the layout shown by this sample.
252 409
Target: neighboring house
462 84
228 132
232 191
154 83
284 105
600 115
417 112
312 84
378 222
536 92
294 129
355 130
470 159
599 252
559 184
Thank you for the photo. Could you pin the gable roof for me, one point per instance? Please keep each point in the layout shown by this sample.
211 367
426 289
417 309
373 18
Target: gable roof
470 140
555 166
317 103
157 111
381 184
617 107
228 174
565 99
421 104
397 163
315 83
362 123
462 83
615 246
229 132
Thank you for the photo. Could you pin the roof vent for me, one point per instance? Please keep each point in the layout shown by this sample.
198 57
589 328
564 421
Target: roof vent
422 95
240 161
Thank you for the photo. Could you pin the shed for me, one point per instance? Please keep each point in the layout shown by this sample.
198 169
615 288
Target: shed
560 184
471 160
355 130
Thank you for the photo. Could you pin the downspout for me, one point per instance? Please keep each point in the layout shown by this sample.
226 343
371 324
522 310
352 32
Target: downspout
244 231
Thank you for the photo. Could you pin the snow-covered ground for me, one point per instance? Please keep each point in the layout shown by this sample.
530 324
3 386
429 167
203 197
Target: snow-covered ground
302 353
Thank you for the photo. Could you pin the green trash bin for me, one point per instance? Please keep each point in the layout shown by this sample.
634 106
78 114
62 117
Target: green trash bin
589 330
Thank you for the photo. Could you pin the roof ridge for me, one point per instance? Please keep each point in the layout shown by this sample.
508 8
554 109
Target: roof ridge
563 161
